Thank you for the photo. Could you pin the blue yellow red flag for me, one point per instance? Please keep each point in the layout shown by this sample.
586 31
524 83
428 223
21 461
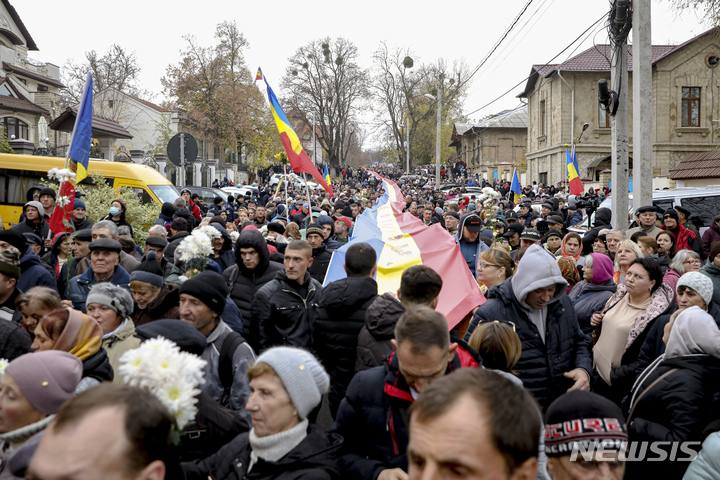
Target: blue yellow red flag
574 183
326 175
258 76
298 158
515 187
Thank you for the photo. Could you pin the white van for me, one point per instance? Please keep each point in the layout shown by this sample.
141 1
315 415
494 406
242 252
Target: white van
703 203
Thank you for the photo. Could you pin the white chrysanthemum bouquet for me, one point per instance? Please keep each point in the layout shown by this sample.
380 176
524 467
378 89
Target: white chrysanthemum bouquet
195 249
173 376
489 196
4 362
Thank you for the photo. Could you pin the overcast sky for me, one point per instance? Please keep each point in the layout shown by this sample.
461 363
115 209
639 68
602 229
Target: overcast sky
452 31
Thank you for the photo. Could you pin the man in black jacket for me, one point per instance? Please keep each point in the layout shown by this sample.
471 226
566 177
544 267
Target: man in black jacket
284 310
373 415
178 231
320 253
341 315
251 272
555 353
603 216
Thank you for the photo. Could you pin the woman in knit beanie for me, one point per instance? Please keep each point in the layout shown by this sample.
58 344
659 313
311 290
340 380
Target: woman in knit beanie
31 391
110 306
74 332
589 295
286 385
154 299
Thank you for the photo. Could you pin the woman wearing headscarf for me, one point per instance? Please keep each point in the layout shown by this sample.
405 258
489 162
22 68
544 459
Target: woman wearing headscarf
74 332
673 398
110 306
32 389
118 209
292 231
571 247
623 324
591 294
569 272
286 384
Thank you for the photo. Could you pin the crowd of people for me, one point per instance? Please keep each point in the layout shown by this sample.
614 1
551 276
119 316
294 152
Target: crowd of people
590 344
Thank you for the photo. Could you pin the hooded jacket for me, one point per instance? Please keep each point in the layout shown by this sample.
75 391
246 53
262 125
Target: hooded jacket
678 406
321 261
244 283
226 258
329 242
373 343
41 228
543 361
340 316
470 255
711 235
602 220
33 274
281 315
373 416
314 458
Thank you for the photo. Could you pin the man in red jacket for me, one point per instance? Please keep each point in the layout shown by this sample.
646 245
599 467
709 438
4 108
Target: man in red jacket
192 206
685 238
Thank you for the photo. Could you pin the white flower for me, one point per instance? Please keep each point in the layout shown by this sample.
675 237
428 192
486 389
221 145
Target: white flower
63 200
3 365
173 376
61 175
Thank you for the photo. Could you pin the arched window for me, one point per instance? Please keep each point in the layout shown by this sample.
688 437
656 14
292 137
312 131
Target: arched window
14 126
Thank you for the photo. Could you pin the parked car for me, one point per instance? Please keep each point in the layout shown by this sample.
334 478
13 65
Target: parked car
242 191
208 194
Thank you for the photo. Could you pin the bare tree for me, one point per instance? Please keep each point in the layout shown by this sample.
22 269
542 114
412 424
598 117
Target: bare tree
328 88
710 7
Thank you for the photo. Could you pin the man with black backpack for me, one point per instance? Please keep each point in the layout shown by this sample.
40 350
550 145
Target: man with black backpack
228 356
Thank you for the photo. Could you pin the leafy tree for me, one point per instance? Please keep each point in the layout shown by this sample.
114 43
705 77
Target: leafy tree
215 86
328 88
4 144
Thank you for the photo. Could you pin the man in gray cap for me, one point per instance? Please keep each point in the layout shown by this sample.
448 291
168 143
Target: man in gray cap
646 218
468 239
104 267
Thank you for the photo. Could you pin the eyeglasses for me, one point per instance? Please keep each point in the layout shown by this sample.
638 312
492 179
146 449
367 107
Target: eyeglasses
507 322
483 266
693 261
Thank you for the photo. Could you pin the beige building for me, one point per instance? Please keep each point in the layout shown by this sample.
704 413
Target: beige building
495 146
562 98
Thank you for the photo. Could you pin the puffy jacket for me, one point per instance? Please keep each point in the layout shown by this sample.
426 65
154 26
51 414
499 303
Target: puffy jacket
687 239
623 376
602 220
713 273
711 235
542 363
33 274
119 343
14 340
707 464
676 409
340 316
314 458
98 367
281 316
321 262
79 286
245 283
242 359
165 306
588 298
373 343
373 416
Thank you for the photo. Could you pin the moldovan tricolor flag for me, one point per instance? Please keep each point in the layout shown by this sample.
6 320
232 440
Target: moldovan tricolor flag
77 159
326 174
574 182
515 187
299 159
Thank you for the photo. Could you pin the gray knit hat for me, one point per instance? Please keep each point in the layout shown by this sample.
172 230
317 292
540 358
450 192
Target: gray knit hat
112 296
698 282
302 375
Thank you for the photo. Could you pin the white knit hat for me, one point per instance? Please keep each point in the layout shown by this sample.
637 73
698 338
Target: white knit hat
302 375
698 282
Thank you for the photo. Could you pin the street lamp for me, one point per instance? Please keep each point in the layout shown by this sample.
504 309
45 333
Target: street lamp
437 138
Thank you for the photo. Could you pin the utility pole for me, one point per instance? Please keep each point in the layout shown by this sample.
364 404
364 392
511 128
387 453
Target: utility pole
407 145
439 132
643 138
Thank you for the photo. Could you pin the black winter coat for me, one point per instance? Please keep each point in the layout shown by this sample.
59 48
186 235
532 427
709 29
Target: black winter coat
174 242
373 343
244 283
98 367
653 346
588 298
314 458
340 316
602 220
321 262
676 409
542 364
373 416
282 316
14 340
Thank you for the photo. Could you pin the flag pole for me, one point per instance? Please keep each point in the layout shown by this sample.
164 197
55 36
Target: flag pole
287 205
307 189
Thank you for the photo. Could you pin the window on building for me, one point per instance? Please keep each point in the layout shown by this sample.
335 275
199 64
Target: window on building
690 106
543 178
603 117
5 91
111 103
16 127
542 118
42 88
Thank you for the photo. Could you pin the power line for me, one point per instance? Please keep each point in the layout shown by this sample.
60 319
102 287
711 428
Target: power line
498 43
543 66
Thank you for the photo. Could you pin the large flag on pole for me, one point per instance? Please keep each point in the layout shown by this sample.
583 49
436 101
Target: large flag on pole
515 187
401 240
574 182
299 159
326 175
77 158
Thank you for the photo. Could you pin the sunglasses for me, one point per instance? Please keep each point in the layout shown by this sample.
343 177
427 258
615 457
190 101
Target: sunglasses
507 322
